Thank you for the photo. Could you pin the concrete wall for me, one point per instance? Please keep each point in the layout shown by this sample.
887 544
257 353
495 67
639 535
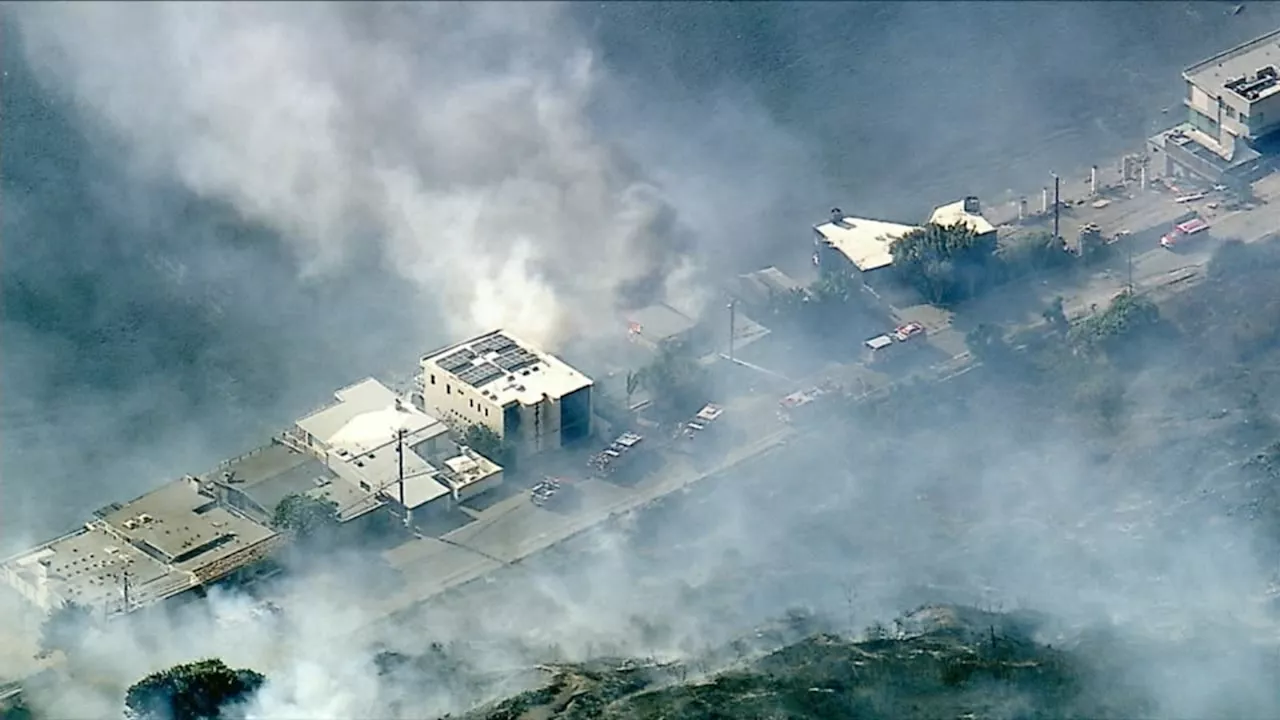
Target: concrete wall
483 486
539 428
31 589
457 404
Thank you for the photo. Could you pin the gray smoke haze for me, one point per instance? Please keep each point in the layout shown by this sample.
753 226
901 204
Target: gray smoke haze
452 141
494 161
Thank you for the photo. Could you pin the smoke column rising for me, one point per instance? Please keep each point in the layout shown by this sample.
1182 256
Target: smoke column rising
452 140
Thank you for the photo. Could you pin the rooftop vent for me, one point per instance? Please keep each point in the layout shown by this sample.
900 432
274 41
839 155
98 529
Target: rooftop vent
972 206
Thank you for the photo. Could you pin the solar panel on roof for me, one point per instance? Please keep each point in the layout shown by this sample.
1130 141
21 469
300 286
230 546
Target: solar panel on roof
493 343
480 374
516 359
456 361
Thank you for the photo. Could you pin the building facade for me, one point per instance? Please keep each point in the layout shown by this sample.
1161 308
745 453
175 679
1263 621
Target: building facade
385 449
1233 115
170 542
531 399
849 243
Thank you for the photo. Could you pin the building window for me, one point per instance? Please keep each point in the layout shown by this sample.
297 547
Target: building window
1231 112
471 403
1244 118
448 389
486 412
433 378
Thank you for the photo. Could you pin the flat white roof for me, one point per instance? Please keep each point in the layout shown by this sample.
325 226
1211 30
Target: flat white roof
270 473
1243 60
378 471
367 416
471 467
185 527
87 567
505 369
865 242
955 214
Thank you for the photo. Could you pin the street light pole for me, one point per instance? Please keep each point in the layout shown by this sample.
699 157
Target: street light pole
732 324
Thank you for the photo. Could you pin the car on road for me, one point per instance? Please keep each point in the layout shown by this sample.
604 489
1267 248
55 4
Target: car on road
545 490
904 333
1184 231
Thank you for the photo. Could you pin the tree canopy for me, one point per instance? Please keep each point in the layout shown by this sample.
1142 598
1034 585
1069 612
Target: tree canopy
304 515
484 440
1128 313
946 263
1034 253
676 383
201 690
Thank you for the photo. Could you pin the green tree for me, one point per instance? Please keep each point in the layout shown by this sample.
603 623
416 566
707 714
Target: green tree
305 516
485 440
1056 316
1093 247
1128 314
946 263
1035 253
633 384
201 690
65 628
676 382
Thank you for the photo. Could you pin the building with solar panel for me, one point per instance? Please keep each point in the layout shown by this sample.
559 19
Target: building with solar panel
533 400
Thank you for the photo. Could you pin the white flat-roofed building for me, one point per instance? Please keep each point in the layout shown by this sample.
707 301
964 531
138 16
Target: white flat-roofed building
87 567
469 473
533 400
367 416
257 481
1236 94
861 242
362 435
966 212
1233 115
174 539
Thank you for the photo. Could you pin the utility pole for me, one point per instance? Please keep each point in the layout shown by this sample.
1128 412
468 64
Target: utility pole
732 327
124 576
1057 205
1128 241
400 474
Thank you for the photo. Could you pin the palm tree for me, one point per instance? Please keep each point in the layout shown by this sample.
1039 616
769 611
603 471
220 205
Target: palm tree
634 381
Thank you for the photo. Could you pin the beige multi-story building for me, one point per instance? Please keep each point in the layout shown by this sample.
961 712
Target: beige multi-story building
1233 106
533 400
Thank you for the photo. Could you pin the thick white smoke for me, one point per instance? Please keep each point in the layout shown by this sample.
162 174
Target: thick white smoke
452 139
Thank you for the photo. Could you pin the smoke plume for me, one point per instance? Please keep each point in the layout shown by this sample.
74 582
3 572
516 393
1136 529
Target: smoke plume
453 141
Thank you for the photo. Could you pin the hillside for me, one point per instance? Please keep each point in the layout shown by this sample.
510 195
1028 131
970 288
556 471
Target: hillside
939 662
